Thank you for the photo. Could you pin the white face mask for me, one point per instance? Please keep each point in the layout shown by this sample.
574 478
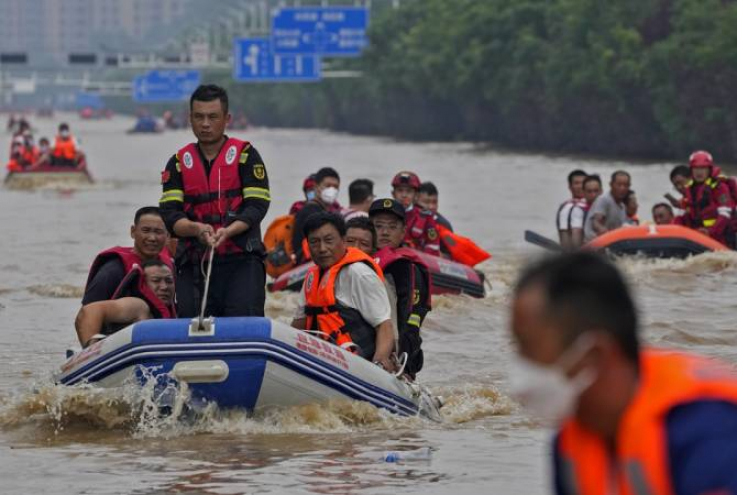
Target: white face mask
329 195
546 391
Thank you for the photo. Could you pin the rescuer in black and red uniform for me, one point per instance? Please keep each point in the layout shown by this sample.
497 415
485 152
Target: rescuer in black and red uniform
216 193
406 274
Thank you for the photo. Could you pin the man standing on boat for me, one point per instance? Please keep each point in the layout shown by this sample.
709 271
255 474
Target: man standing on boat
564 216
215 195
608 211
407 277
343 297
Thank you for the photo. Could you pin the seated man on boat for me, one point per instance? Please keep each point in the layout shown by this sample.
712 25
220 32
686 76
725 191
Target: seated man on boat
148 292
44 153
591 191
707 203
360 197
407 276
563 218
422 228
308 188
343 298
608 211
327 186
630 207
680 176
112 266
66 152
361 234
428 199
663 214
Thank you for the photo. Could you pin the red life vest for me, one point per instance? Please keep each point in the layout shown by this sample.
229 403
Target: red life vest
212 199
420 304
708 205
639 462
134 280
422 231
325 313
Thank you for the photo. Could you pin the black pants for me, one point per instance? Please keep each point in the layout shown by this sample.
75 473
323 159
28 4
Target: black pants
237 288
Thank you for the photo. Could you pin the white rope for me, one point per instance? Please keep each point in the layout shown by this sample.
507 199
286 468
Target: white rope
207 283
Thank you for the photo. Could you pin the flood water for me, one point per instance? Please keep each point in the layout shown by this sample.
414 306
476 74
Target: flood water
60 440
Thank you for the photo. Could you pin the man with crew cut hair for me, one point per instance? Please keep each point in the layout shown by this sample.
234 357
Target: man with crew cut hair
215 195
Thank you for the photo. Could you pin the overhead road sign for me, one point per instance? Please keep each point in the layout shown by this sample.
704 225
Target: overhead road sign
253 61
159 86
327 31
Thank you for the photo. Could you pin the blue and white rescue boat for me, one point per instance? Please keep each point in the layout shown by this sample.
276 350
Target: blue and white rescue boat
251 363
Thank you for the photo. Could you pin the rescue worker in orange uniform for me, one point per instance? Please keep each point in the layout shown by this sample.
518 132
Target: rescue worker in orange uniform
707 201
343 297
630 421
408 279
65 152
422 227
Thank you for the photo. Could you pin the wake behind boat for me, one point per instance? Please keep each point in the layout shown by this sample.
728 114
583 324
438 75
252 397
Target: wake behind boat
48 176
251 363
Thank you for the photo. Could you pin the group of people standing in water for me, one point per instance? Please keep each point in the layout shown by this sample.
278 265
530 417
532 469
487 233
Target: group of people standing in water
707 204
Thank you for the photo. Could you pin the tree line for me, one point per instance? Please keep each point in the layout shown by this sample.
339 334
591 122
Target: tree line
645 78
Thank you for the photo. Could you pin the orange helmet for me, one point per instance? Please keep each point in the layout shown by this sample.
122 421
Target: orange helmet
700 159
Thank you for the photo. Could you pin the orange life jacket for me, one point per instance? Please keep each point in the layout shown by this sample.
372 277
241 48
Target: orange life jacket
13 165
641 464
64 148
462 249
339 323
278 243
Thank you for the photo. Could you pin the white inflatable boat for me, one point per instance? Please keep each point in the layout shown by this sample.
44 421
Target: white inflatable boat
249 363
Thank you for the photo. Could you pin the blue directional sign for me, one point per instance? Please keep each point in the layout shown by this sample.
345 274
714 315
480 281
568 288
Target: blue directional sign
165 85
328 31
253 61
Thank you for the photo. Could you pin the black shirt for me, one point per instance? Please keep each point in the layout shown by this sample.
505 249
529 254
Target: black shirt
105 282
310 208
256 194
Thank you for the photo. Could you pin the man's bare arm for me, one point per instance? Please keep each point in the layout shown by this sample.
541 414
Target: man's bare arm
91 317
385 345
597 223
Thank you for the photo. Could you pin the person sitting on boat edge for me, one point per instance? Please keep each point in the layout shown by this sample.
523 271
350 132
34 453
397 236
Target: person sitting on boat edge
66 152
680 176
630 207
422 231
111 266
327 187
343 298
629 420
308 188
608 211
150 294
407 276
360 197
663 214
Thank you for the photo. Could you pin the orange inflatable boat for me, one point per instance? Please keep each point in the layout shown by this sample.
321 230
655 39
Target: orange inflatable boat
656 241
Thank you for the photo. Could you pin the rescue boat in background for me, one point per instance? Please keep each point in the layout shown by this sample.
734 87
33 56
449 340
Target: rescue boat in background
250 363
448 277
47 175
655 241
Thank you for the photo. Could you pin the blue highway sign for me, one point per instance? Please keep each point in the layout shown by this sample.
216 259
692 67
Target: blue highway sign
328 31
165 85
253 61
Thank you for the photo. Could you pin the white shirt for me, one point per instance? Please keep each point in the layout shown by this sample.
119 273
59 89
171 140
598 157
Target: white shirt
358 287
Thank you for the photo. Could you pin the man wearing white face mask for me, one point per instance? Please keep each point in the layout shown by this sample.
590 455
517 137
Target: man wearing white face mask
630 421
327 187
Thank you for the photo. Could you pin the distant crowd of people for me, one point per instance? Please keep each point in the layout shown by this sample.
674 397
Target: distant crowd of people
707 203
26 155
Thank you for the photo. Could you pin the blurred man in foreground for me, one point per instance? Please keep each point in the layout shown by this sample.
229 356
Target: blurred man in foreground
631 420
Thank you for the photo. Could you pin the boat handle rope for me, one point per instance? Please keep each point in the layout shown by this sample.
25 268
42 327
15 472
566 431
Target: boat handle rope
203 306
404 364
